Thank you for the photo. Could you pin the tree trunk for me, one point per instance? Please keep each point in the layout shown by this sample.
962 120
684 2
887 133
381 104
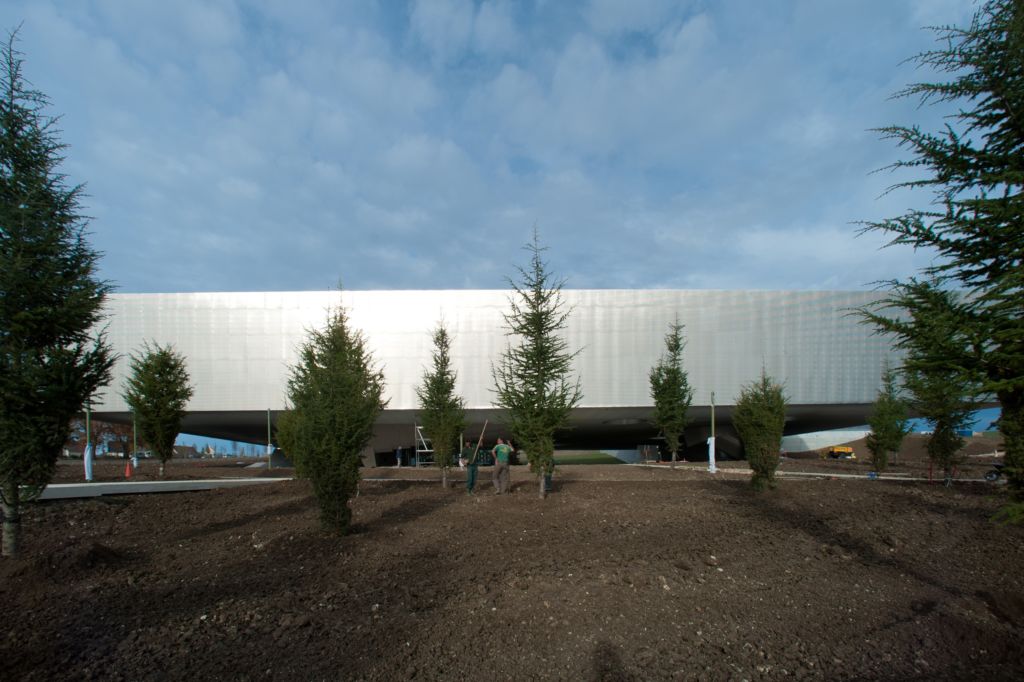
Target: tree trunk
444 477
12 521
1011 425
540 486
162 463
673 459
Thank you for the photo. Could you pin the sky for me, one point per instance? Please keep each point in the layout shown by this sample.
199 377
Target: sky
295 145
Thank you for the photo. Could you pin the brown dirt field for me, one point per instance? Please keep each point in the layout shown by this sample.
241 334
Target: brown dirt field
623 573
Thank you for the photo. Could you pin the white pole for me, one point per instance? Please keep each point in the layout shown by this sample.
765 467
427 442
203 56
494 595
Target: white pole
270 444
87 453
135 444
711 441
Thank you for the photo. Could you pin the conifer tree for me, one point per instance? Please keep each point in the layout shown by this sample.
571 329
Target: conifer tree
51 359
975 169
532 378
760 419
158 391
888 422
939 397
335 391
941 388
442 412
670 389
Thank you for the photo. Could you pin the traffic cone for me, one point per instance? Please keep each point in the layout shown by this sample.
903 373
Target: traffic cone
128 468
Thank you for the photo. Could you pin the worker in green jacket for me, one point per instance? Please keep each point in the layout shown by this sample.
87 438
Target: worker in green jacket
469 454
502 451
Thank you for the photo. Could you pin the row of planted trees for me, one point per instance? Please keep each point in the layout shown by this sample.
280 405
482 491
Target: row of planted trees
52 360
336 393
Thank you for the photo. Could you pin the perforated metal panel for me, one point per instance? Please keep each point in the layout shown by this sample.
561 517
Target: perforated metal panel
239 345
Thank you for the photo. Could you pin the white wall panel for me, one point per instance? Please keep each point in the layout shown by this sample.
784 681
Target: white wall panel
239 345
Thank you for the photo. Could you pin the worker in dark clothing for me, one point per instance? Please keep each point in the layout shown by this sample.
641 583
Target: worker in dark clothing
470 454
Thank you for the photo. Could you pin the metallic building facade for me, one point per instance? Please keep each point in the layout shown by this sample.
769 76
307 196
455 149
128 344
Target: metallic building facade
239 347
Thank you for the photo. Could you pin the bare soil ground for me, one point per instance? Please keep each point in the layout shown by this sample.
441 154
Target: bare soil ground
623 573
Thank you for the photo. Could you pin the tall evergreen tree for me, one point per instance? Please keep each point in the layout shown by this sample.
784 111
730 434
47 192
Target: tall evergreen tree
442 412
51 359
158 391
670 389
975 168
335 391
888 422
532 378
760 419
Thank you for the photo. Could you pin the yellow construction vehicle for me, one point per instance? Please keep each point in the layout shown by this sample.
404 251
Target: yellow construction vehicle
838 452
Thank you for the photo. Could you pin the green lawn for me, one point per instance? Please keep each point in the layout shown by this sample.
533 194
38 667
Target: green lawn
589 457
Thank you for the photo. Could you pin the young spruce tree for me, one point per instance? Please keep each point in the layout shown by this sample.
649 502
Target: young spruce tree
335 391
532 378
760 419
442 412
888 422
158 391
939 397
975 169
51 358
670 390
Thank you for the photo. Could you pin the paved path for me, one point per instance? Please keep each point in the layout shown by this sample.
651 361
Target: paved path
61 491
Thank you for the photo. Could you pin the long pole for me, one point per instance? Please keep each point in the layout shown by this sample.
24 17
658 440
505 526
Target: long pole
712 414
135 443
711 441
270 446
87 453
480 441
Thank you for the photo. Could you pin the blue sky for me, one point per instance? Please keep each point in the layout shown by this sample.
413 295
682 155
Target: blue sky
290 145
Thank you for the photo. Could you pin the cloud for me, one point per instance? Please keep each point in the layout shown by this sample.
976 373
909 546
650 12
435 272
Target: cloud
494 29
445 27
269 145
612 17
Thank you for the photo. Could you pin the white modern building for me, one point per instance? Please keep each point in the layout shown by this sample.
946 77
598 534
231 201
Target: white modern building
239 347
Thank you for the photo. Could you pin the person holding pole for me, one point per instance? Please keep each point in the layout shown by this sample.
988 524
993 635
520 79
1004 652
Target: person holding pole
501 454
469 454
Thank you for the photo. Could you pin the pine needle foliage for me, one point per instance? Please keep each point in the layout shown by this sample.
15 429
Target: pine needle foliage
532 378
888 422
932 335
157 391
336 394
442 411
939 398
760 419
975 169
671 390
52 358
